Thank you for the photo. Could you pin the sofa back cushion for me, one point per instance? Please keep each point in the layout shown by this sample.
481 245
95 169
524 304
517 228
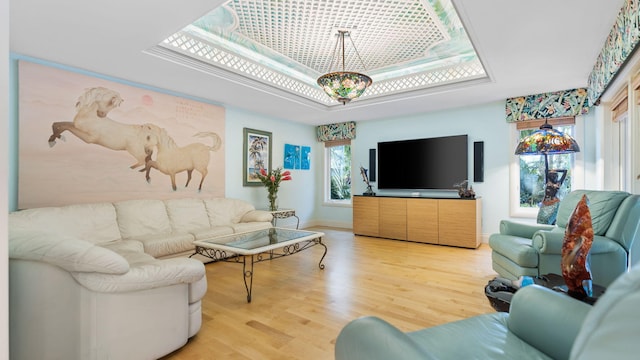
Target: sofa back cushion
223 211
186 215
602 205
610 329
95 223
142 217
625 227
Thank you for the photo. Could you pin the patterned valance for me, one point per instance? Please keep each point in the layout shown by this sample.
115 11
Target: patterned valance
548 105
340 131
621 42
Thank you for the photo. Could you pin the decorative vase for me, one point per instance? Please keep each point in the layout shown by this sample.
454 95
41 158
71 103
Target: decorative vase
575 252
273 205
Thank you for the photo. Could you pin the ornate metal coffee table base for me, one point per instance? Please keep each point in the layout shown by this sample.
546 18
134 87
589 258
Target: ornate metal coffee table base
249 260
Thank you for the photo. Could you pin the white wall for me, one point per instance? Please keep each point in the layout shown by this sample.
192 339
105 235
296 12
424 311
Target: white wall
481 123
4 169
297 193
304 193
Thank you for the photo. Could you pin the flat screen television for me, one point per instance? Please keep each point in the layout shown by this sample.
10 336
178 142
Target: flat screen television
432 163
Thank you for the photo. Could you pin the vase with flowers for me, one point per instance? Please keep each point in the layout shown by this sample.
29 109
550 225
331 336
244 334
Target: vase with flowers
271 181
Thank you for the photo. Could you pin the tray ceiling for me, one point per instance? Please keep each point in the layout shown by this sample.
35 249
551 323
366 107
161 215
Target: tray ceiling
403 46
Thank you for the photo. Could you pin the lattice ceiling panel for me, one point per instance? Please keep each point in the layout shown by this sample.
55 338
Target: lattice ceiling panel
384 32
405 45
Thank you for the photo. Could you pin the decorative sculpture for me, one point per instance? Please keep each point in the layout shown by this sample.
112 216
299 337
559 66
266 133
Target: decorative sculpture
548 212
578 238
464 190
365 178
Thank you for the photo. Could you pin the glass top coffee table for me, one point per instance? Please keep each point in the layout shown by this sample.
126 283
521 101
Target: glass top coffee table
256 246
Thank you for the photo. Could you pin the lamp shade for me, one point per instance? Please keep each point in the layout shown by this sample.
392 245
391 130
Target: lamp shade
547 140
344 85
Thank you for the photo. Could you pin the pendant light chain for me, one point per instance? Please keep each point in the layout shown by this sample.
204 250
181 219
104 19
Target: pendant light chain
357 53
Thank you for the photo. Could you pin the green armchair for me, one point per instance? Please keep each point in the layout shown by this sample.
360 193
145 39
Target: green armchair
533 250
541 324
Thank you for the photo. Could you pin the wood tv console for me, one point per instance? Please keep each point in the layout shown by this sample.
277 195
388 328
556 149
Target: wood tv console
454 222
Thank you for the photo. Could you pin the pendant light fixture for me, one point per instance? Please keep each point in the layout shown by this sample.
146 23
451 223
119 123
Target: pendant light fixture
344 85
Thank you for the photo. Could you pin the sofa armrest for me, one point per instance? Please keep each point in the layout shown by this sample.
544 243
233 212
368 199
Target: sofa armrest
372 338
67 252
257 216
146 275
548 242
546 319
508 227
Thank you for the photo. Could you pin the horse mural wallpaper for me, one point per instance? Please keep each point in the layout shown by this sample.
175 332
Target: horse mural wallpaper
87 139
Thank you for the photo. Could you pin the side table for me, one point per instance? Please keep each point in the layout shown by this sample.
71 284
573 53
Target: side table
499 291
556 282
283 214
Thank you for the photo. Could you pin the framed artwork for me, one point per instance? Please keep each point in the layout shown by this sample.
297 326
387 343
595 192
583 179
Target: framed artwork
305 158
291 156
297 157
83 138
256 155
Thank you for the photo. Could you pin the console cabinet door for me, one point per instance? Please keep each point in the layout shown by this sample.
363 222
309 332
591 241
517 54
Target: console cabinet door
393 218
365 215
459 222
422 220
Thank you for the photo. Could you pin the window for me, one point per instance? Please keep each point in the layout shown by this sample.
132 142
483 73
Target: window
338 172
527 171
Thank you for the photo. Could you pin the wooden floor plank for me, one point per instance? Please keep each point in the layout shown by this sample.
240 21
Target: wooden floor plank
298 310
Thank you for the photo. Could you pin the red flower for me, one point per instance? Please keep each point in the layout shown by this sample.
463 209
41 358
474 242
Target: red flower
286 173
263 172
273 178
285 178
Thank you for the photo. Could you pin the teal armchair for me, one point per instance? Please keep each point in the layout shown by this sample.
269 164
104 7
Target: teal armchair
533 250
541 324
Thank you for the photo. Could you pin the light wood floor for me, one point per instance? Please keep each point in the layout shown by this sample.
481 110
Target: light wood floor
298 310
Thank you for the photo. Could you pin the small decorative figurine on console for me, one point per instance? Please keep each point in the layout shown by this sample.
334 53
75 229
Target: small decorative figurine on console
365 178
464 190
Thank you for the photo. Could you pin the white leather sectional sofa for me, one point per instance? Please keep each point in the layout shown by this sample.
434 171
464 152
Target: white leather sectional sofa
113 280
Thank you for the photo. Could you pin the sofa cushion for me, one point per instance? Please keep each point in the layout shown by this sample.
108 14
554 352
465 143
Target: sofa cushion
222 211
257 216
121 246
602 205
142 217
66 252
187 214
610 329
516 249
212 232
95 223
250 226
197 290
160 245
147 273
490 330
626 224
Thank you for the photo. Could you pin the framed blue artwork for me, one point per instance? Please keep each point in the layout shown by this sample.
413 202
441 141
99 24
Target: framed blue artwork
291 156
305 158
297 157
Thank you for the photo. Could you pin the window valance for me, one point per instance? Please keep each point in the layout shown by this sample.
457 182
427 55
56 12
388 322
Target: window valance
334 132
621 42
555 104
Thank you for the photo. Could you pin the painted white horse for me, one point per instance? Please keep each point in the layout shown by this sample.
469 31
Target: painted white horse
92 126
172 159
